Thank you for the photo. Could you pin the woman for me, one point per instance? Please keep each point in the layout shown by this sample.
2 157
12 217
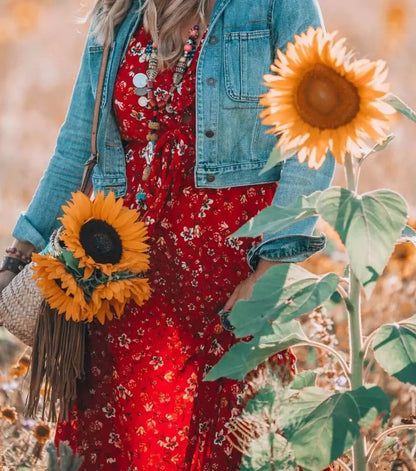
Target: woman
186 150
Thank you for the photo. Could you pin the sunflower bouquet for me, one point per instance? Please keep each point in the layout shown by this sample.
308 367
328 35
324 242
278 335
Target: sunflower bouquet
96 260
93 266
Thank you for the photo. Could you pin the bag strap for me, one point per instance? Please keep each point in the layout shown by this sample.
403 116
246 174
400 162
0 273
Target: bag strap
86 186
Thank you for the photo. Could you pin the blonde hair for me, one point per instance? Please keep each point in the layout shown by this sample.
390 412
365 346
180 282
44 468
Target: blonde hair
162 18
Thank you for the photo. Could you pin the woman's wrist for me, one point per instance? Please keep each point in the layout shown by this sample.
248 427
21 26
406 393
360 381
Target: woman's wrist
262 267
23 250
16 257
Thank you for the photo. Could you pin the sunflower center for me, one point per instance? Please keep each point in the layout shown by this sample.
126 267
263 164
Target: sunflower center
325 99
101 241
42 431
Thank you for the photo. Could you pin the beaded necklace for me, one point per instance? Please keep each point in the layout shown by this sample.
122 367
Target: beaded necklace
145 88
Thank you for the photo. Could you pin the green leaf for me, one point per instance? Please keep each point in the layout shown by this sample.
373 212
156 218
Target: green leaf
276 156
304 380
276 218
369 226
399 105
70 260
270 452
367 420
250 316
377 148
333 426
285 292
302 298
408 235
265 402
395 349
245 356
298 405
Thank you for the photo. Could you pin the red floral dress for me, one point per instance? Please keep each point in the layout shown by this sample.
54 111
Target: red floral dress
143 405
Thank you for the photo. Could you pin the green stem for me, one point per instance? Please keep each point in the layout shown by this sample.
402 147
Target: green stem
357 364
350 173
355 331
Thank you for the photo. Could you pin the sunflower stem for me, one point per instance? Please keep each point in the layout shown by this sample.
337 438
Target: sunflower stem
355 329
350 173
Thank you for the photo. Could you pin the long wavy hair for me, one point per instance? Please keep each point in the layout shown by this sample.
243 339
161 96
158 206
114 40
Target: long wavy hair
162 18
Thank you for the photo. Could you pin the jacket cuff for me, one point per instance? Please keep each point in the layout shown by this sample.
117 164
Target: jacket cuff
289 249
26 232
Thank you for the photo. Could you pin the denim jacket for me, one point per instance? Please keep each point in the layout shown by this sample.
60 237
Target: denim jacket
231 144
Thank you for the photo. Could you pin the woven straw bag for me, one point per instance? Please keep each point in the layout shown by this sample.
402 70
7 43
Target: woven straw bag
20 305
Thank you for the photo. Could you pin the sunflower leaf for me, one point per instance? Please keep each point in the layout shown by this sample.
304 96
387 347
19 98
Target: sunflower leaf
399 105
277 218
304 380
245 356
269 452
277 155
70 261
394 348
369 226
377 148
332 426
283 293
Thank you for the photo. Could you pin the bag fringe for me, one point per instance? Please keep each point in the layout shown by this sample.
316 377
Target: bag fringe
57 364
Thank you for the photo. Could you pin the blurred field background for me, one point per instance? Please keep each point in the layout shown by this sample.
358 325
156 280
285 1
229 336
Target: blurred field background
40 49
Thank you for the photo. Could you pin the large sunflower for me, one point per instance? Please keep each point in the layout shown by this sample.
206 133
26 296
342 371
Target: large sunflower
105 235
67 295
321 99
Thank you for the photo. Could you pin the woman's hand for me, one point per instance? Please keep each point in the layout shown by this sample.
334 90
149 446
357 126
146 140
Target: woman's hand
245 288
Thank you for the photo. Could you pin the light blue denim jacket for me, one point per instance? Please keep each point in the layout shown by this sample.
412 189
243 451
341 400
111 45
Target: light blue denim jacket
231 143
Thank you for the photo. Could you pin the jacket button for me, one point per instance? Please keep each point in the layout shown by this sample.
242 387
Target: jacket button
211 81
210 178
209 133
213 40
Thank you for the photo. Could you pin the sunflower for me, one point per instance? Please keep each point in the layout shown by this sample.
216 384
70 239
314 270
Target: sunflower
322 100
17 370
59 287
9 414
42 432
64 293
105 235
110 298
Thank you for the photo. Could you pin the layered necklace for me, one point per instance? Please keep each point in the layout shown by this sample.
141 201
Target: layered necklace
145 88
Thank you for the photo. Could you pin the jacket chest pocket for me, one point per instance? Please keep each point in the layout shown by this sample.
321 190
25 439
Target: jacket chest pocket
247 58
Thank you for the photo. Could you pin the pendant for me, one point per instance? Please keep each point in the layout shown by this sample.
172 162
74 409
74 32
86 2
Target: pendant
140 91
140 197
143 101
146 173
140 80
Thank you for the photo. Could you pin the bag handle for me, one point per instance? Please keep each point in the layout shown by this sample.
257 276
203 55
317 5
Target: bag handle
86 186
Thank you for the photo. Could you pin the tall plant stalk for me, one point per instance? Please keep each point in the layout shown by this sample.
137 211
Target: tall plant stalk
355 328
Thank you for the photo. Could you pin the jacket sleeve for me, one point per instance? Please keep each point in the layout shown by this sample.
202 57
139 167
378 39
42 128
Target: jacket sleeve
296 242
64 172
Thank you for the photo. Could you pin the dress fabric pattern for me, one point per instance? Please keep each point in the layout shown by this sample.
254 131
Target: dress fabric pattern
143 405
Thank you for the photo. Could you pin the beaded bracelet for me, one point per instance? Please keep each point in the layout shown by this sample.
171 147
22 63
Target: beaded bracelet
18 254
14 265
